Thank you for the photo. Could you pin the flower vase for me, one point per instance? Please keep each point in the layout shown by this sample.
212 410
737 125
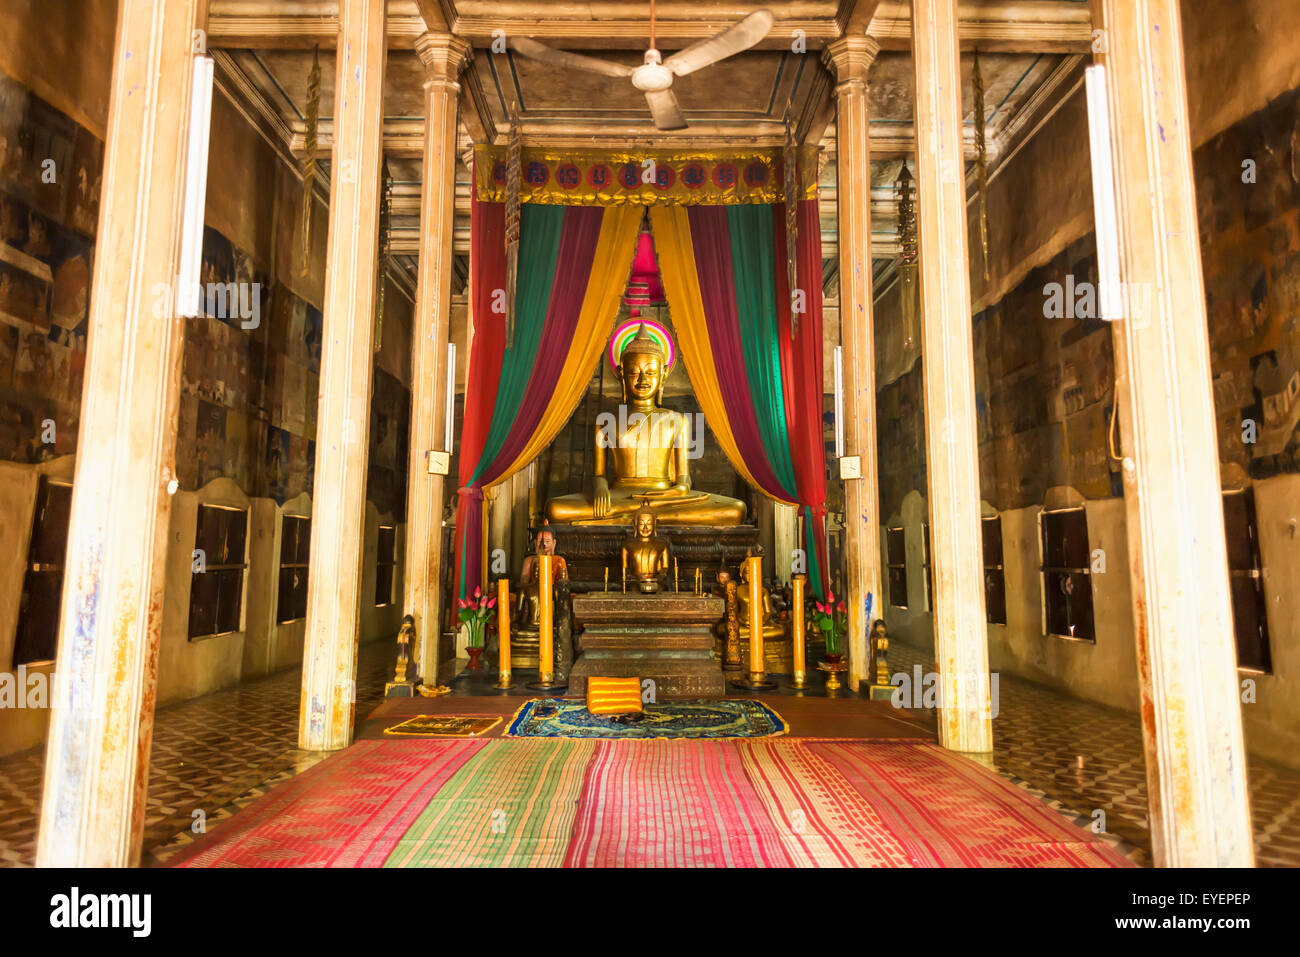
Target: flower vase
833 664
474 655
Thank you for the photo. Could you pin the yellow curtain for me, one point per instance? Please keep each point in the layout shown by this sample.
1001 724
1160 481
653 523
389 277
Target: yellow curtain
672 233
609 271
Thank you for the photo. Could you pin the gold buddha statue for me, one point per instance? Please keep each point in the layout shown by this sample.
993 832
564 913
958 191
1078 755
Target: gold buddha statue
645 555
649 446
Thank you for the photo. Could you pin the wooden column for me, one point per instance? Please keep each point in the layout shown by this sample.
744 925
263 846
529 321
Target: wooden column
1191 713
339 501
785 524
520 519
850 58
952 458
101 728
500 512
444 57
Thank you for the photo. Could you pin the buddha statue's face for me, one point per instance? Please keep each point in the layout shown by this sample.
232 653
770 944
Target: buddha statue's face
642 374
645 525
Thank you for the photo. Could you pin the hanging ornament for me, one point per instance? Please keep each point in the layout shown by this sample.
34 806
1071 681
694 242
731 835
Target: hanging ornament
309 165
907 252
385 213
981 163
513 178
790 164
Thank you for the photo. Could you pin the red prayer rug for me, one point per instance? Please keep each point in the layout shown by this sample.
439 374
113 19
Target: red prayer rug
776 802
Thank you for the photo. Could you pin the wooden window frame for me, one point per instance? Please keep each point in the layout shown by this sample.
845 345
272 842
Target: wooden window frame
996 569
305 566
34 568
381 564
927 565
208 568
892 566
1255 573
1045 570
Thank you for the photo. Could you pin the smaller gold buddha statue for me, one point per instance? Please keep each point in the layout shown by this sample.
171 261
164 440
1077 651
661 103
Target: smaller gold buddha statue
644 554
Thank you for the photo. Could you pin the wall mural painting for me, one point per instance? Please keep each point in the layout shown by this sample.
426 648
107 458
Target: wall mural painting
1045 394
251 364
50 170
389 431
1043 385
1044 382
1250 227
249 385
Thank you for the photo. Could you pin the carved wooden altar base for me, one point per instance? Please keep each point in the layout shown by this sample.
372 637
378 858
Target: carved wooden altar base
665 637
590 549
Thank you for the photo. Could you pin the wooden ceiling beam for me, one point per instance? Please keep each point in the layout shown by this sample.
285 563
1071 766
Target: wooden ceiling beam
996 26
404 137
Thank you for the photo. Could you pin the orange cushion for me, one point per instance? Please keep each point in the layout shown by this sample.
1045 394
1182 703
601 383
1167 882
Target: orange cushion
613 695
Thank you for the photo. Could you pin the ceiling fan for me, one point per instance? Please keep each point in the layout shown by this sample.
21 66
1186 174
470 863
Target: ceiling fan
654 77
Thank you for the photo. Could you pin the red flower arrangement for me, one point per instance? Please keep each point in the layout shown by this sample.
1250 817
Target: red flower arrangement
475 612
832 620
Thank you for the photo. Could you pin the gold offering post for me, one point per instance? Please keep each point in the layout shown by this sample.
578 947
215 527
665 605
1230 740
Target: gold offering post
797 629
546 616
757 679
545 625
503 633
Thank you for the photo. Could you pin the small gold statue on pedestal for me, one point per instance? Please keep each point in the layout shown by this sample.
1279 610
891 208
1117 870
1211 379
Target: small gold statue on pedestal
878 645
645 554
401 686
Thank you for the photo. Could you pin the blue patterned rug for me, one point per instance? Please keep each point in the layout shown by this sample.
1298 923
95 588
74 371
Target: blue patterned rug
721 718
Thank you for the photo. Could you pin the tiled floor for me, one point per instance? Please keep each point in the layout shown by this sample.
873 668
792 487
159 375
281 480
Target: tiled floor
206 753
1089 758
218 753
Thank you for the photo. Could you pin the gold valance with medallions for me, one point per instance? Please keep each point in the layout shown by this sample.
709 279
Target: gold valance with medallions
590 177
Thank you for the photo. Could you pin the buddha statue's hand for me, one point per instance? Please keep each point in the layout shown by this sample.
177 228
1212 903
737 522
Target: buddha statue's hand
600 497
673 491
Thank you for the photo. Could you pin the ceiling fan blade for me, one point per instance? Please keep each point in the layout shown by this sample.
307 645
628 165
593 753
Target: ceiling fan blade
739 36
541 52
667 114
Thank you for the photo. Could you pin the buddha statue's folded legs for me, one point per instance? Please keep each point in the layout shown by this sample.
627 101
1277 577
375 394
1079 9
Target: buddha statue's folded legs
692 508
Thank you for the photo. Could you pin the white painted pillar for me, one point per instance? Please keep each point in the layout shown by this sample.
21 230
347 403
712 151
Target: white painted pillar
339 503
850 58
1182 608
952 457
444 57
101 729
